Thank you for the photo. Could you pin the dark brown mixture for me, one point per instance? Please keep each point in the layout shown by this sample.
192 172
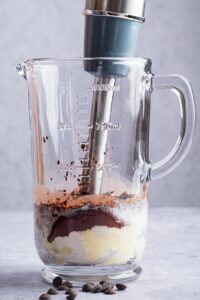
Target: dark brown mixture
82 220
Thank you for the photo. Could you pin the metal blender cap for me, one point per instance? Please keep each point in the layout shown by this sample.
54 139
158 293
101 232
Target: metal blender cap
132 9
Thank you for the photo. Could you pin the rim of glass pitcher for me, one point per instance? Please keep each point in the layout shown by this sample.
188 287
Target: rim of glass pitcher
69 59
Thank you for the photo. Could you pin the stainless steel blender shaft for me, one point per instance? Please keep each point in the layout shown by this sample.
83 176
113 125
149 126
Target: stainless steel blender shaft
103 90
111 30
123 8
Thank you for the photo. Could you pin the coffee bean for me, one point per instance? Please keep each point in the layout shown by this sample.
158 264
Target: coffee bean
68 283
52 292
107 285
138 270
88 287
63 287
109 292
69 291
72 296
121 286
44 297
57 281
73 293
97 289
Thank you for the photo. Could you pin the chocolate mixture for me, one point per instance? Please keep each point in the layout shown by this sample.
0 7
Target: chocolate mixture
81 221
65 211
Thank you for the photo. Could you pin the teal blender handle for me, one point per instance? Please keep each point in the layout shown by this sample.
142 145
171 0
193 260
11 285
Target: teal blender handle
111 30
109 37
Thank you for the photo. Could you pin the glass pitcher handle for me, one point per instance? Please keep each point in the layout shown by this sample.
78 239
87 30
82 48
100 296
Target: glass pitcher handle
181 87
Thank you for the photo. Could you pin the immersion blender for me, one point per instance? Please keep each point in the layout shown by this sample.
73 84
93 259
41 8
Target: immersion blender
111 30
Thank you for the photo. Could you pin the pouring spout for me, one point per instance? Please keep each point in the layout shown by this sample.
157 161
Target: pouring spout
21 70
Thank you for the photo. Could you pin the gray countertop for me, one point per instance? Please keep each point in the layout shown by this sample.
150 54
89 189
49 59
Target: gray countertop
171 269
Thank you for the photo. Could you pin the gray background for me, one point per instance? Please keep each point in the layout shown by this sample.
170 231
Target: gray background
54 28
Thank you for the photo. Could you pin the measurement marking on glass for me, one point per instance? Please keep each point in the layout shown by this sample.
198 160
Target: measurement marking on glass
83 123
84 103
82 150
109 167
82 111
81 96
108 126
83 126
84 158
84 176
69 169
83 167
100 167
68 126
84 143
83 134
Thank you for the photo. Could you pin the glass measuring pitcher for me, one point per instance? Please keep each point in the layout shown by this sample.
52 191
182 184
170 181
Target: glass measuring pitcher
90 123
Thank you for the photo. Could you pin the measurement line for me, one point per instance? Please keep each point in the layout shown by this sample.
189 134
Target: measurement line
84 176
83 134
85 143
82 167
84 159
85 151
82 111
83 126
82 104
81 97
